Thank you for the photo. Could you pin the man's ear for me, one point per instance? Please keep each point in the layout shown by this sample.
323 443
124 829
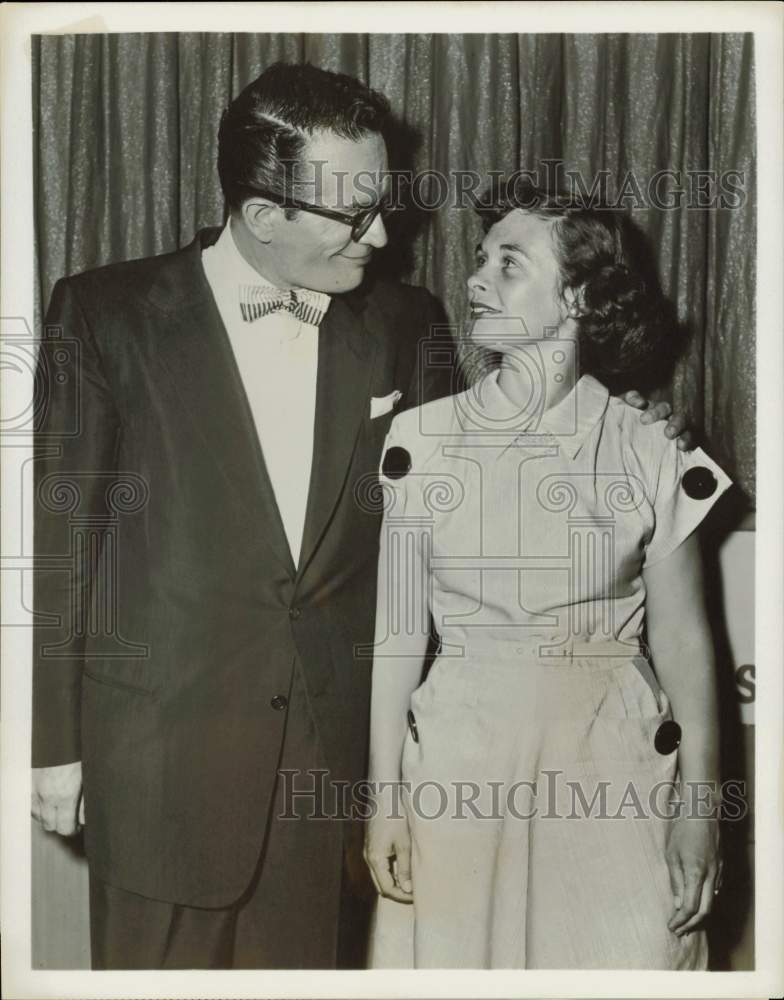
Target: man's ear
262 218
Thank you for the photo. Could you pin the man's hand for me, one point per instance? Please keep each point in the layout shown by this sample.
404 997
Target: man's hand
57 798
676 424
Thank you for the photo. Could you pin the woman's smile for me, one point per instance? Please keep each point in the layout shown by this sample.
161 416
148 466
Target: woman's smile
479 309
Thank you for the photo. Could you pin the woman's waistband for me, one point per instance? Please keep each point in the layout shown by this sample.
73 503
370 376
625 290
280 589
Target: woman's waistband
543 647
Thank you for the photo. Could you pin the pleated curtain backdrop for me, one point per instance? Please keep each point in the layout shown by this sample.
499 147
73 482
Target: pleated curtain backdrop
125 144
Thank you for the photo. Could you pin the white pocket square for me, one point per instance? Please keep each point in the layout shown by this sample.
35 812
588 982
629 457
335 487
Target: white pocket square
379 405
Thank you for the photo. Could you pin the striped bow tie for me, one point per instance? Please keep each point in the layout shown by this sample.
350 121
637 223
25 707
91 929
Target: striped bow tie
261 300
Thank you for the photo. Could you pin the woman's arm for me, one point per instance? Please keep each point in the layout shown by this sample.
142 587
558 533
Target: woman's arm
401 639
682 648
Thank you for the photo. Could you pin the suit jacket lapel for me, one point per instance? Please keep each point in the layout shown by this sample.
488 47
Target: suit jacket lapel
347 353
197 353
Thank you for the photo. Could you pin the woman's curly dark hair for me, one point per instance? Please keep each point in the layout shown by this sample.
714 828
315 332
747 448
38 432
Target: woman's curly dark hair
628 333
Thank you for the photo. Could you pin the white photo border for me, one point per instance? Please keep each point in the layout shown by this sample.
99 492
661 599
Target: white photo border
765 20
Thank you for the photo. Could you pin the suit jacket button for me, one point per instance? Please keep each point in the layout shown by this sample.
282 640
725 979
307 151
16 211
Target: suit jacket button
279 702
294 613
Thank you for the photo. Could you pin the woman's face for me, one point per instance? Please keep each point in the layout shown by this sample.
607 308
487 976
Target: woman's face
514 292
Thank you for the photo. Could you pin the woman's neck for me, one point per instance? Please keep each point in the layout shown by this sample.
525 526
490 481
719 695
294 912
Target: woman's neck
529 372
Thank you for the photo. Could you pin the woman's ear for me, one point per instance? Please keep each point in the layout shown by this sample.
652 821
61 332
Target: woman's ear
262 218
573 299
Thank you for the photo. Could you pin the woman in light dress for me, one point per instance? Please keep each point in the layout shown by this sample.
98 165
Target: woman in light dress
551 536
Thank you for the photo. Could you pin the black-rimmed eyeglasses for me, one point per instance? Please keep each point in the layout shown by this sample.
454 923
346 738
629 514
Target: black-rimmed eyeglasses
360 221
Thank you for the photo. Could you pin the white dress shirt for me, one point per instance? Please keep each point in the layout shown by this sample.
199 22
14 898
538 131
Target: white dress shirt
277 357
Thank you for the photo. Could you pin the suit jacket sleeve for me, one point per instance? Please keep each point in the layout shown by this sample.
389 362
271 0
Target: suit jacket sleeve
76 436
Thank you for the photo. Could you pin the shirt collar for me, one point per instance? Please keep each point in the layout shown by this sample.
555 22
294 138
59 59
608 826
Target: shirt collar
570 420
233 270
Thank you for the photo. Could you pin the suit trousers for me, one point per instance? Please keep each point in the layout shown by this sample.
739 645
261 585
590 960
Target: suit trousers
287 918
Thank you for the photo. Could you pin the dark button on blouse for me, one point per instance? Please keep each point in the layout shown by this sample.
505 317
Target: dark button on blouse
699 483
668 737
397 463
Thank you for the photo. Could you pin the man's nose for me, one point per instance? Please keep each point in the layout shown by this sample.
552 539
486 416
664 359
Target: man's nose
376 236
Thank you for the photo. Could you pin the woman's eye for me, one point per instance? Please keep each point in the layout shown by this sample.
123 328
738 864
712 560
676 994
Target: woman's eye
509 262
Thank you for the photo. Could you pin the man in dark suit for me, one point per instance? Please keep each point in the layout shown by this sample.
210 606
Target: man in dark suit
206 554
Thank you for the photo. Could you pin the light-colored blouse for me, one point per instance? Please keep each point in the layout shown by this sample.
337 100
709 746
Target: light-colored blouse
537 526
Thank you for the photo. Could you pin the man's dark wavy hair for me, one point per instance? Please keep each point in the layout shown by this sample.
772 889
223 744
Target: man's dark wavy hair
628 333
264 131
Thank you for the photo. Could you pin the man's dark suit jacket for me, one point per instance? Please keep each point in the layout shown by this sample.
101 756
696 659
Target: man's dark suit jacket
161 504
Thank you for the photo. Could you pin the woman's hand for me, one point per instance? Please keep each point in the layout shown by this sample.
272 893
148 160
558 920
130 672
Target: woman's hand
388 855
694 863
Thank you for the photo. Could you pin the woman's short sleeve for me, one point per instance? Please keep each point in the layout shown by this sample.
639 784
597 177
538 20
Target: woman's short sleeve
683 488
395 466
